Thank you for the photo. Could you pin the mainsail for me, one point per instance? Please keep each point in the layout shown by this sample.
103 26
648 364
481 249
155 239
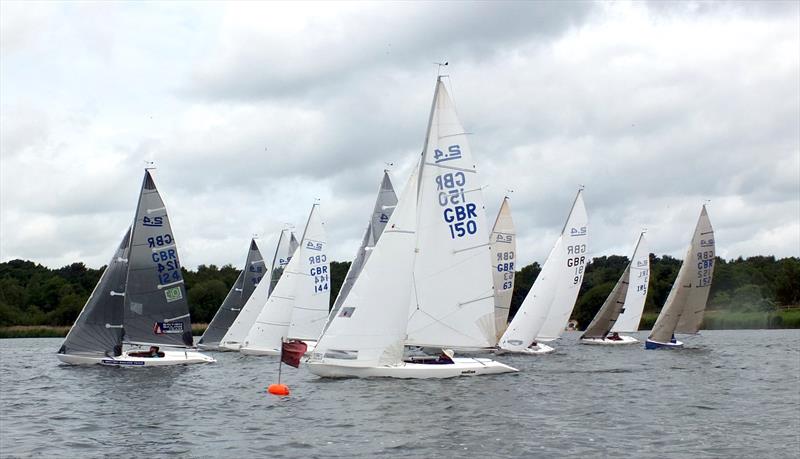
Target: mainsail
556 288
370 327
503 243
304 287
253 306
631 315
98 328
384 206
240 292
575 243
683 310
156 311
452 302
627 297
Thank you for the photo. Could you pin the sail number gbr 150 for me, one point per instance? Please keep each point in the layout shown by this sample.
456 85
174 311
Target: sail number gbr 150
460 215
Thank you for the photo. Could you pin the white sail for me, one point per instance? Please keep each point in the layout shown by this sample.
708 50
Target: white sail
313 285
575 242
452 302
370 328
631 315
555 290
273 322
381 212
503 244
686 303
252 308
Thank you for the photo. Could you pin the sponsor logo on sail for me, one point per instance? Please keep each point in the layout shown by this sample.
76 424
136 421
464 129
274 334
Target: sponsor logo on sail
173 294
167 328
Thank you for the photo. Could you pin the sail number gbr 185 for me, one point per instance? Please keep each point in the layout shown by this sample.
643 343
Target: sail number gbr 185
461 216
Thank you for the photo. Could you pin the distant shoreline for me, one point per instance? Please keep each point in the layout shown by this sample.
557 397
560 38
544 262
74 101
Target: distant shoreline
713 320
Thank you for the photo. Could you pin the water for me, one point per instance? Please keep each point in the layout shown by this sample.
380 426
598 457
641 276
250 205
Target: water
728 394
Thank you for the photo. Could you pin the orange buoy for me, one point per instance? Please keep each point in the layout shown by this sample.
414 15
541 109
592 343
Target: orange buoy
278 389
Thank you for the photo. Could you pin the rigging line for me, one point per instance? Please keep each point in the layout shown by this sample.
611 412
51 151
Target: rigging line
454 135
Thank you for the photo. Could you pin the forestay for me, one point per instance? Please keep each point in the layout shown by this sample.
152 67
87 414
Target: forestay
575 243
242 289
98 328
631 315
686 303
503 244
452 302
384 206
156 311
370 327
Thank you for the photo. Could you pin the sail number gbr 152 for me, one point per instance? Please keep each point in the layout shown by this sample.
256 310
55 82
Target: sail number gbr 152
460 215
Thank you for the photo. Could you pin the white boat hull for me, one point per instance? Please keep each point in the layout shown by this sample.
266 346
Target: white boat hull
609 342
460 367
539 349
261 351
171 357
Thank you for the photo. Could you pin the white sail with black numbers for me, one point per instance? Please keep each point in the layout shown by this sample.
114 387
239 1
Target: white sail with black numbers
156 310
304 286
631 315
575 243
452 301
258 298
503 243
384 206
240 292
555 290
686 303
98 329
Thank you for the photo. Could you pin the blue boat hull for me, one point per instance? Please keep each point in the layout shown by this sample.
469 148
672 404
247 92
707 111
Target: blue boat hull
659 345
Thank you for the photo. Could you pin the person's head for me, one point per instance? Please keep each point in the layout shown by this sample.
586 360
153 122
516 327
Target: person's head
448 353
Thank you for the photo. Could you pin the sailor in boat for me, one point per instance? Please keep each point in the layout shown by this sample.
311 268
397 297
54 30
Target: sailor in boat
153 352
614 337
445 358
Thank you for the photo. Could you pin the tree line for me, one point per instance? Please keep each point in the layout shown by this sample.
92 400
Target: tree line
32 294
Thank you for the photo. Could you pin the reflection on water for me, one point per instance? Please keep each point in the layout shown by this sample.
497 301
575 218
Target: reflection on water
728 394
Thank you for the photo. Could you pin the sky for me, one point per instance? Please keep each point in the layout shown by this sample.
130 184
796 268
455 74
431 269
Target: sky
252 111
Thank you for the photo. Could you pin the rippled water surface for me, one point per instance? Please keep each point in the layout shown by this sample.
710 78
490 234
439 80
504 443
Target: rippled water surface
728 394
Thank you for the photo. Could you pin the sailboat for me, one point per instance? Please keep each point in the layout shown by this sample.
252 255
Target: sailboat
384 206
140 299
622 310
503 244
238 295
686 302
298 307
546 309
237 332
426 282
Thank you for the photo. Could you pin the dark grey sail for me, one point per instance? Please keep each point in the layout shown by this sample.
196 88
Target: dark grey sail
607 315
98 328
384 206
156 311
244 286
